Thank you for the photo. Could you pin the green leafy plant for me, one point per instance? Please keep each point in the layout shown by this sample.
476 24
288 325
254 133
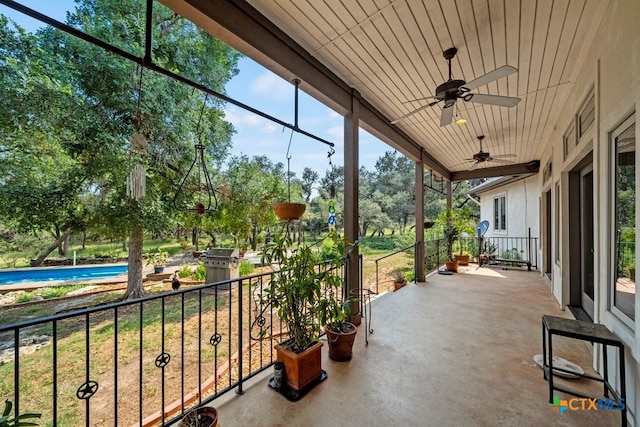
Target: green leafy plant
398 275
305 296
200 272
245 269
455 224
7 420
158 258
185 271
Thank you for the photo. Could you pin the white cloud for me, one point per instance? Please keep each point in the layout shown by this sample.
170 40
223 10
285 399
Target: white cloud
272 86
241 119
268 128
333 114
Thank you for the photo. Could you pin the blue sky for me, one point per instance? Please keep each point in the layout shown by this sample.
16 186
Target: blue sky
259 88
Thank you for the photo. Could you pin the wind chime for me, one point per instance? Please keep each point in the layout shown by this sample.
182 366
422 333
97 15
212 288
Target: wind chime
198 180
136 181
331 219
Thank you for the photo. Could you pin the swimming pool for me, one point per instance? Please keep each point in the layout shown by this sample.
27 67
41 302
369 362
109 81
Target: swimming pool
55 274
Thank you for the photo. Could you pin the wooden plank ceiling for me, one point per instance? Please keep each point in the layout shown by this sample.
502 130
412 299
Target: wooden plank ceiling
392 53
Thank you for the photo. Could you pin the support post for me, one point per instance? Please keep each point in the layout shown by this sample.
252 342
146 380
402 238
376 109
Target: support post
350 213
419 196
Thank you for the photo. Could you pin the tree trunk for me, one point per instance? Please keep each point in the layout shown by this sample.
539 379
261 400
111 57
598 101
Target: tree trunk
134 283
65 245
44 254
124 245
84 239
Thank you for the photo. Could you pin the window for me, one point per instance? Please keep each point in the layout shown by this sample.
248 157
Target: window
587 115
500 213
624 192
569 140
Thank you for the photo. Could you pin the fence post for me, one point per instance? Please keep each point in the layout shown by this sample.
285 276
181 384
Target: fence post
240 328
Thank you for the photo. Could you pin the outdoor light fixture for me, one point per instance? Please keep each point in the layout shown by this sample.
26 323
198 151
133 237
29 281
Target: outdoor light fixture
459 119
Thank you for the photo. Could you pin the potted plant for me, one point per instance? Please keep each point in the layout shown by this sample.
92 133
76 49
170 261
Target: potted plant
446 221
303 297
340 333
201 416
158 259
399 279
464 227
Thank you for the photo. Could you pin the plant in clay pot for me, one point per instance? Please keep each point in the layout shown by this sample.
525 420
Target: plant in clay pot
158 259
304 296
340 333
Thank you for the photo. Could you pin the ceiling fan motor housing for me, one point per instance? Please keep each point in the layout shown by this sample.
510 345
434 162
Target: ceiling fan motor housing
449 89
481 156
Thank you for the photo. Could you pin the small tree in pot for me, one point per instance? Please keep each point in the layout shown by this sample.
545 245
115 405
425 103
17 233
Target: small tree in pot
304 296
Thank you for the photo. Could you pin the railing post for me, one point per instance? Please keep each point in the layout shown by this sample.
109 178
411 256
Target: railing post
529 245
240 328
377 279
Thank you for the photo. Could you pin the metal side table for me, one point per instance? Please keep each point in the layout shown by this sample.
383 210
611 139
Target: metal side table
586 331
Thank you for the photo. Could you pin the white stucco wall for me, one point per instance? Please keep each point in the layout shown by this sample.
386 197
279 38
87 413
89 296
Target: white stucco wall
523 211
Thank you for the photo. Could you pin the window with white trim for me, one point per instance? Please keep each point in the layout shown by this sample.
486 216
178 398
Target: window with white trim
500 213
623 288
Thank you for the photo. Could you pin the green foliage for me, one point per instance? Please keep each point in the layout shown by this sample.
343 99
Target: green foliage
246 268
157 258
200 272
398 275
7 420
185 271
304 296
48 293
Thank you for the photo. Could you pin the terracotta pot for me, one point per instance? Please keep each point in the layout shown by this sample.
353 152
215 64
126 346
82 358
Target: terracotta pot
289 211
451 265
301 369
196 254
397 285
341 343
199 208
204 416
462 259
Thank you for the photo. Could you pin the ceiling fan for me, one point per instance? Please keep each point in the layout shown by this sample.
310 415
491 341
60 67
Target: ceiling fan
484 156
451 90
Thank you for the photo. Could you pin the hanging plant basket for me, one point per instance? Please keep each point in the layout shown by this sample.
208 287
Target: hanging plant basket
289 211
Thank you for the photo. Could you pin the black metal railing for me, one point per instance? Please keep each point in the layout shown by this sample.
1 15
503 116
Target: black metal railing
516 248
503 247
140 362
396 252
435 253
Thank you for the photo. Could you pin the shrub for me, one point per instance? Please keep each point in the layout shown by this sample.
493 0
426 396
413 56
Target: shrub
199 273
246 268
185 271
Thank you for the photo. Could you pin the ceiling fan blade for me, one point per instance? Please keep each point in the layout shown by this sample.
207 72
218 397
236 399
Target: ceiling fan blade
424 107
496 74
447 115
503 156
419 99
501 101
502 161
474 166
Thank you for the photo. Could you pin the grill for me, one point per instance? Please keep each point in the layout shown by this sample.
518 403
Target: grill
220 264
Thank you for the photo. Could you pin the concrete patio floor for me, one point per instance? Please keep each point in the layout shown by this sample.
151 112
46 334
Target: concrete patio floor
453 351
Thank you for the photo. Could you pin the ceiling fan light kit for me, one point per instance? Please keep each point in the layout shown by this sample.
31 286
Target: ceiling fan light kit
449 91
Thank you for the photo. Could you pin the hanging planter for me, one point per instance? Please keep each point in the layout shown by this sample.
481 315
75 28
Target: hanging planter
289 211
